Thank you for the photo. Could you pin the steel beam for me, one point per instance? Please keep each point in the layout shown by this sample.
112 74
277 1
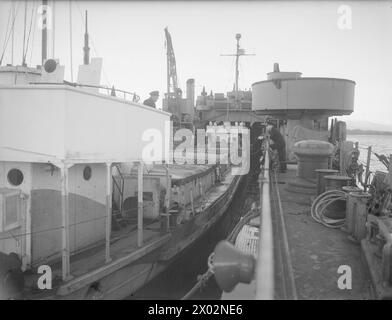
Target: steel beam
108 210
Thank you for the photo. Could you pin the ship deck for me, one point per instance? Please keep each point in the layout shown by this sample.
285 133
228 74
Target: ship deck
316 251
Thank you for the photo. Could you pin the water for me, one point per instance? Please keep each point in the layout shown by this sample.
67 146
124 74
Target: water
381 144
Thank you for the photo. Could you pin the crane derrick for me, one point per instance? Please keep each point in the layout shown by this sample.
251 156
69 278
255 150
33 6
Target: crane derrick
171 65
174 94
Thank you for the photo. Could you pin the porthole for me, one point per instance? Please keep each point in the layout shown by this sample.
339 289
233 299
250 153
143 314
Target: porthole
15 177
87 173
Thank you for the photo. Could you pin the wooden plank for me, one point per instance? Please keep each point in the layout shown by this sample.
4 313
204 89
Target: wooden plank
107 269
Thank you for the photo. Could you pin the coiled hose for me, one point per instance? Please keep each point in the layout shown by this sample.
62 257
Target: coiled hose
321 203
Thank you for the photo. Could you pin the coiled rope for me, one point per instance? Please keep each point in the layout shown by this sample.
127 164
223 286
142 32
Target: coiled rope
321 203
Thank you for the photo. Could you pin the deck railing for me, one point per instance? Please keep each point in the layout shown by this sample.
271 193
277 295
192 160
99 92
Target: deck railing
265 261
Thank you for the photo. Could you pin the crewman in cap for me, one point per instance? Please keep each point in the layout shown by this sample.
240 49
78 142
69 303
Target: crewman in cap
154 95
277 143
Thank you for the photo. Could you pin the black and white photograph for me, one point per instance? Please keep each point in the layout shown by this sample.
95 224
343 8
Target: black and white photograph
211 151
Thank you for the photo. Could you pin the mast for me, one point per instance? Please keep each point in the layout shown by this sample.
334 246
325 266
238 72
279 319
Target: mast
239 52
237 73
70 39
86 49
44 44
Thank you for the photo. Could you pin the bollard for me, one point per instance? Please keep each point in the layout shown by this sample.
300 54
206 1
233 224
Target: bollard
358 210
320 175
311 155
350 220
337 209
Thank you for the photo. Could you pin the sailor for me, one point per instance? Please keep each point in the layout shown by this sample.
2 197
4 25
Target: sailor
277 143
154 95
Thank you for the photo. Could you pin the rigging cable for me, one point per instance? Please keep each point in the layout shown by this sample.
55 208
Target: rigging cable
24 32
28 37
8 22
32 42
53 27
13 33
9 35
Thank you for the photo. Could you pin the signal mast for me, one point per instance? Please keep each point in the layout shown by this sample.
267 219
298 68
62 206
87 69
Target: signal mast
240 52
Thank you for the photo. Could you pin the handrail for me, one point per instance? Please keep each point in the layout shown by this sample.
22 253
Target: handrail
135 97
265 262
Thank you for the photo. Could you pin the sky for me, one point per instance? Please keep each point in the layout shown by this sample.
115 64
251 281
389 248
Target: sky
300 36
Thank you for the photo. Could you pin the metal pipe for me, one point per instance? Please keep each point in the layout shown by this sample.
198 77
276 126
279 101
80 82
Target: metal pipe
140 205
265 261
389 174
168 198
192 203
108 210
28 231
65 224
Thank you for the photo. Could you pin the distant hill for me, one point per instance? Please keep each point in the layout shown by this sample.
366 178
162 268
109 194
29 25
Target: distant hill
367 125
369 132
